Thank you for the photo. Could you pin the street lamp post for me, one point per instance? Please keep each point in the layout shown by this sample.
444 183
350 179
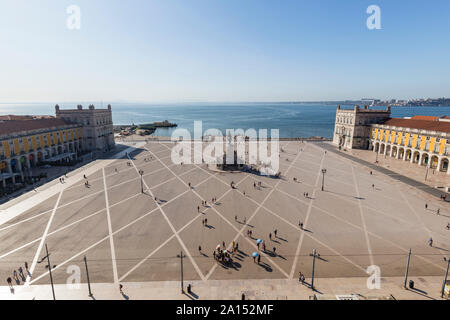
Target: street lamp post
445 278
181 267
407 269
314 255
50 271
87 275
323 177
141 172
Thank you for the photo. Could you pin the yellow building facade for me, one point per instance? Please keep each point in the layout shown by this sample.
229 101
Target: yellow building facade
425 142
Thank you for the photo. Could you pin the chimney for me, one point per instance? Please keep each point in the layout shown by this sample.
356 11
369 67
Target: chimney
109 107
79 107
56 108
91 107
339 107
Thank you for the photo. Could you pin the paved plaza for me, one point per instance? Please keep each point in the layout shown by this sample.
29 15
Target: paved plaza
360 219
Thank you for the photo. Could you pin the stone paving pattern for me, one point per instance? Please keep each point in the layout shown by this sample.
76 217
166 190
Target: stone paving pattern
128 237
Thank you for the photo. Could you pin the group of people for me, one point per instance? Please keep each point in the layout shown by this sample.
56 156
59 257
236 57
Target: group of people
17 274
86 183
255 185
223 255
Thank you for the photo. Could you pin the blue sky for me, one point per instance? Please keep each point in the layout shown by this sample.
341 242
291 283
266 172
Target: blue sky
223 50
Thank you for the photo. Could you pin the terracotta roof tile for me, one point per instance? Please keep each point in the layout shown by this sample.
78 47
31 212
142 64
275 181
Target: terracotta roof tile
431 125
16 126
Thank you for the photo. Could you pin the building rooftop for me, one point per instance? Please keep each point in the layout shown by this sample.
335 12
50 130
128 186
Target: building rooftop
16 126
421 123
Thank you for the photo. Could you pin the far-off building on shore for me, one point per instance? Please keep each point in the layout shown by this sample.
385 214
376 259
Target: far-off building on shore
424 140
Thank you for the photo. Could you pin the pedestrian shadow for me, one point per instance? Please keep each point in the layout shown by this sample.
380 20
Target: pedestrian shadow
420 292
12 290
307 230
17 282
276 241
265 266
209 226
218 203
193 295
125 296
204 254
308 285
282 239
192 298
440 248
242 253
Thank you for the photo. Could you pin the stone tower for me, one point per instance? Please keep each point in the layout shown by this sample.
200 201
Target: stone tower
352 126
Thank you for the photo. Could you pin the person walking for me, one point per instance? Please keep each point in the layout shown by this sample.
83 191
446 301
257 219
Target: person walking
438 211
26 266
259 258
21 273
430 242
270 236
426 205
16 277
206 221
235 218
198 208
200 249
274 250
9 280
301 277
275 233
121 288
